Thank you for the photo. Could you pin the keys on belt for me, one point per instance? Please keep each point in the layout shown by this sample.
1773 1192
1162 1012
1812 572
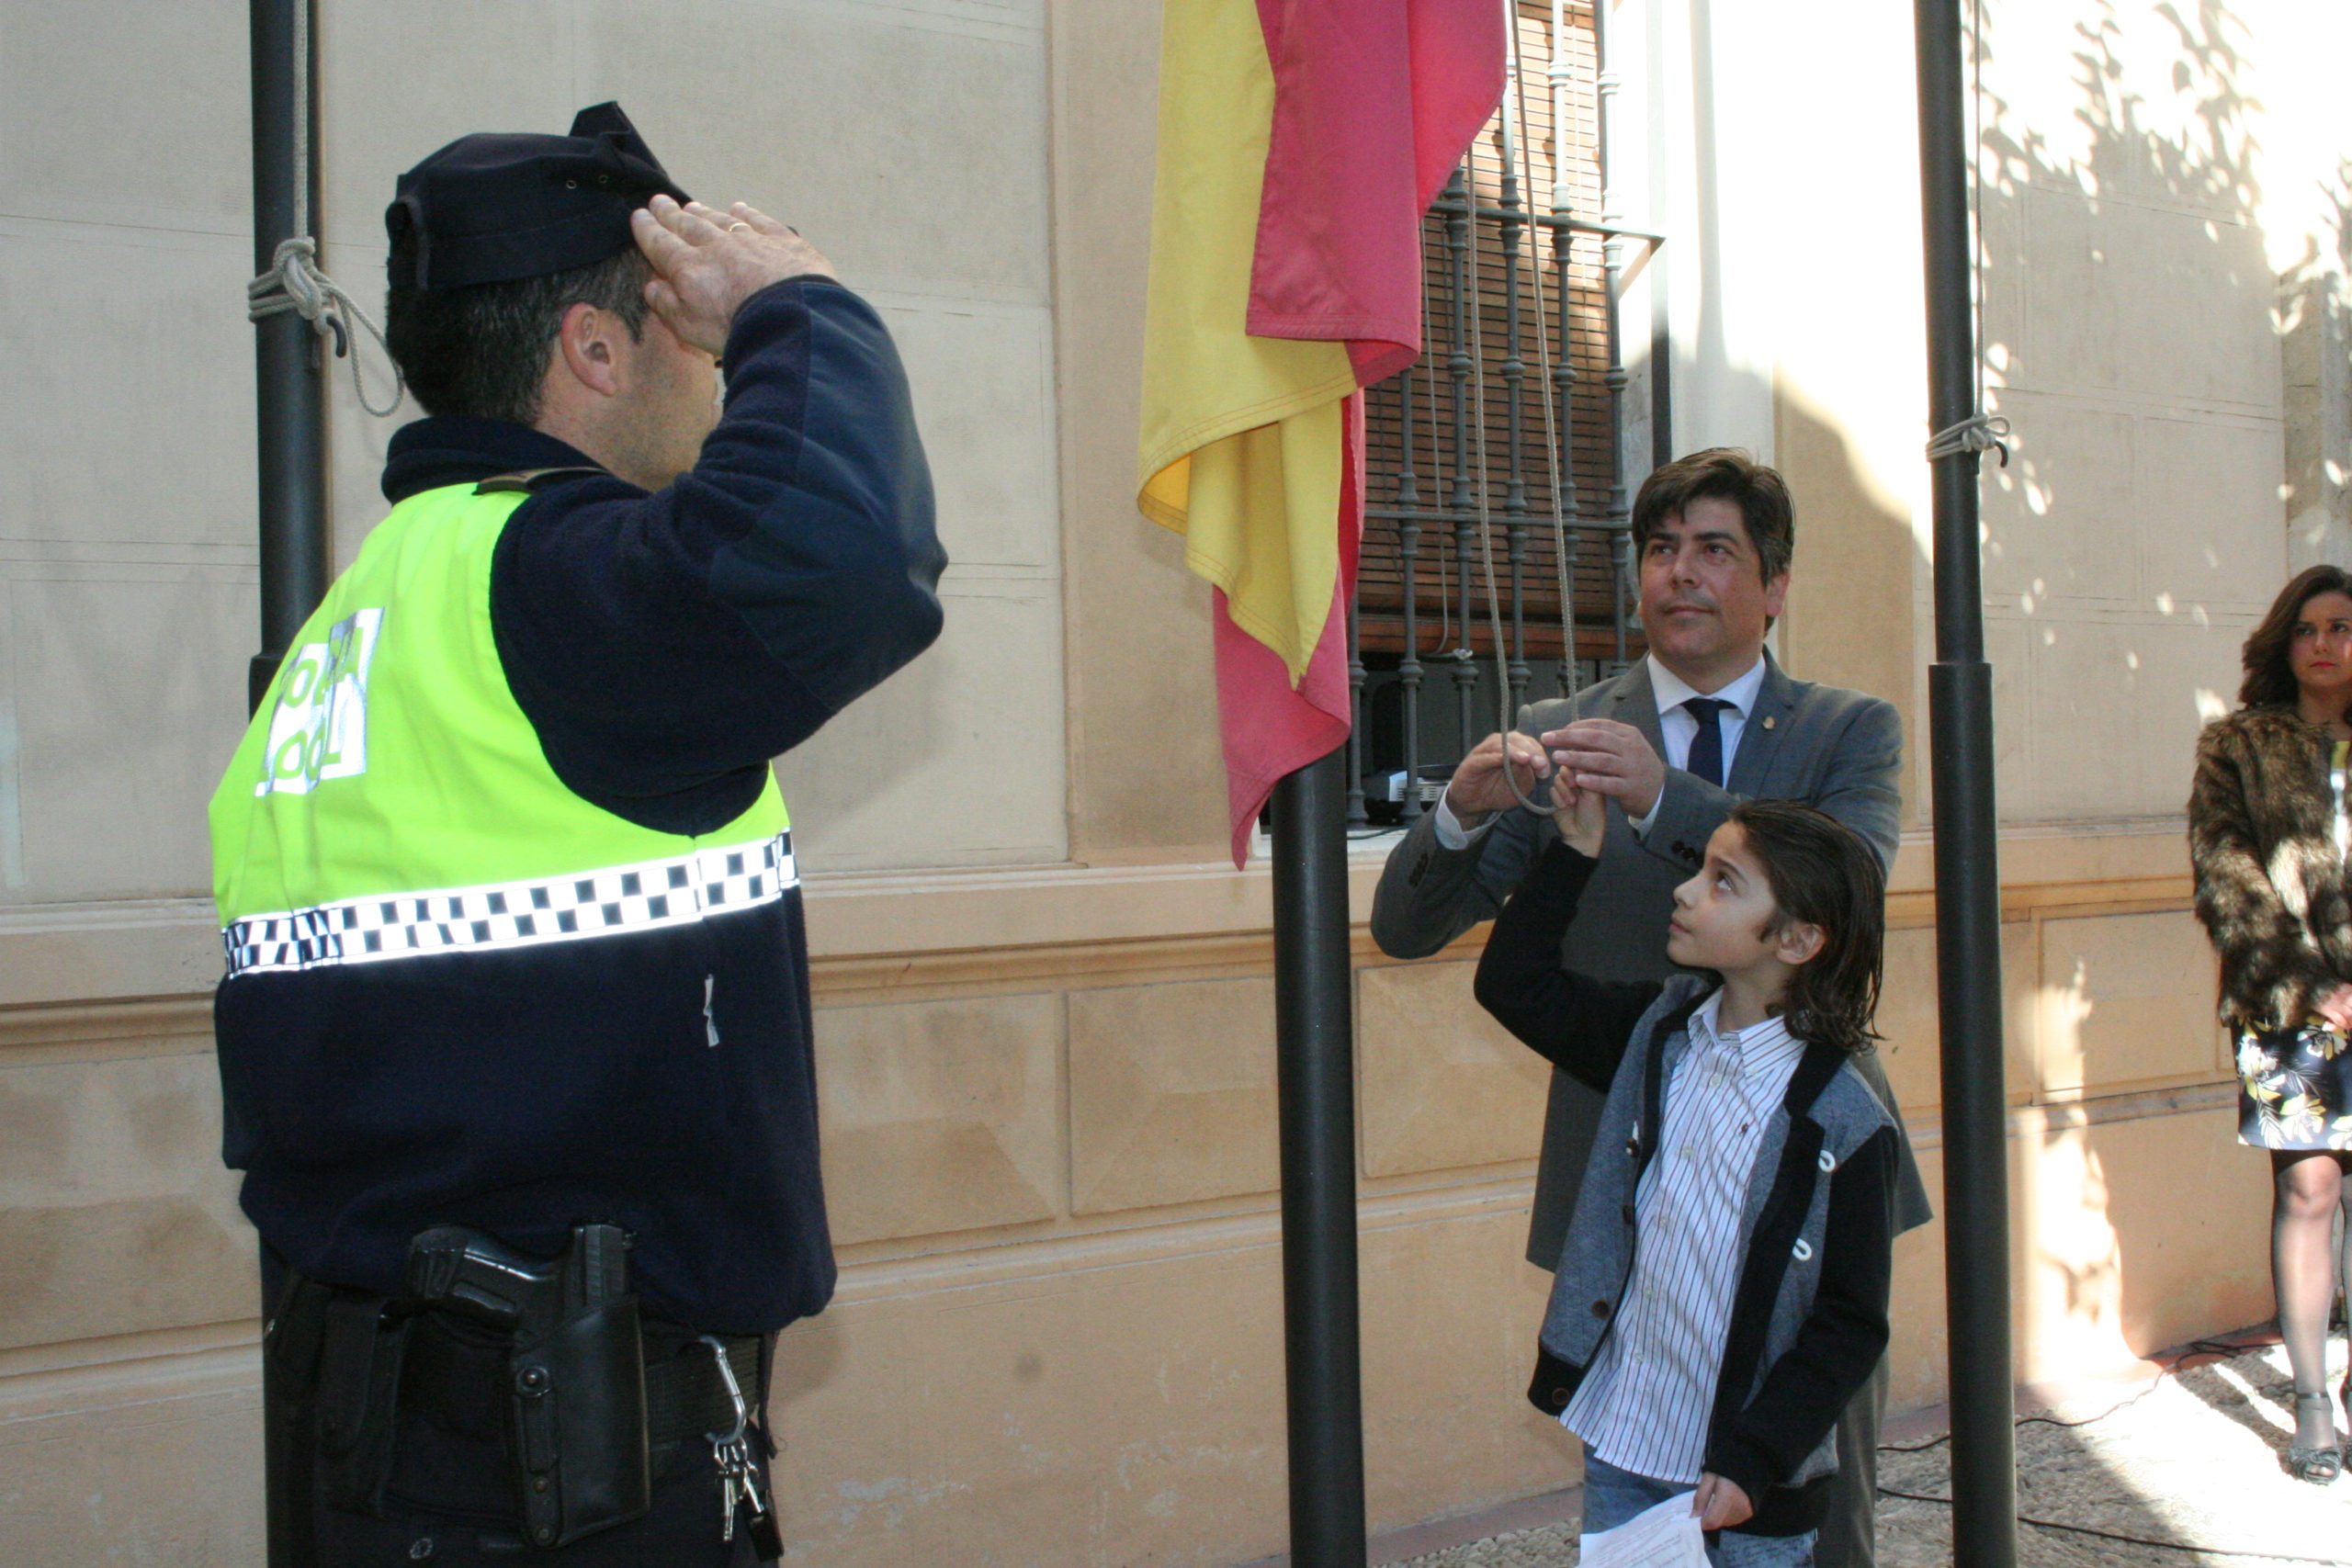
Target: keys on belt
739 1475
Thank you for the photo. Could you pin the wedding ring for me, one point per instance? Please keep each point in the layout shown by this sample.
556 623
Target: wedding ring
745 227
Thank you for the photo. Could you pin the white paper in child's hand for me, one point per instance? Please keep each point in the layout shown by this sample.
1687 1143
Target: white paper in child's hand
1667 1536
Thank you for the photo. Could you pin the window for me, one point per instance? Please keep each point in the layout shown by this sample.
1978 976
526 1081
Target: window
1462 449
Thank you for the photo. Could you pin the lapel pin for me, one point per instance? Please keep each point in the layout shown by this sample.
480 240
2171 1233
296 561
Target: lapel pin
1770 719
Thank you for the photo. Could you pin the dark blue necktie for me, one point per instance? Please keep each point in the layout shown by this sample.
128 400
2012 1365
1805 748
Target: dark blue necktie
1707 746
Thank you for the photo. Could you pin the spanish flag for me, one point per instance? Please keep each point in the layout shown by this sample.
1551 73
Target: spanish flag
1300 142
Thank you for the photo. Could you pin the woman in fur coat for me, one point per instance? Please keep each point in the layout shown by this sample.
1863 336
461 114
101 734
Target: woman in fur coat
2267 836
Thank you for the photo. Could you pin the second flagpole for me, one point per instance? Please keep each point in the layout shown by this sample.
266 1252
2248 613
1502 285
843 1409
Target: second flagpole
1315 1057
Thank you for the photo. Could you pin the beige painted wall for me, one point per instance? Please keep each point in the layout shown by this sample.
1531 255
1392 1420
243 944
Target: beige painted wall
2162 226
1142 693
126 606
1052 1161
1044 1007
2157 179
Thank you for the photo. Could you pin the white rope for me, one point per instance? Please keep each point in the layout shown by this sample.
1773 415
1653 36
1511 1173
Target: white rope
1444 589
1507 720
1514 100
305 63
1978 432
1562 563
1976 201
295 284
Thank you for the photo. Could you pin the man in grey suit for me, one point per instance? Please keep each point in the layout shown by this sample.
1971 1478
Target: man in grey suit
1707 718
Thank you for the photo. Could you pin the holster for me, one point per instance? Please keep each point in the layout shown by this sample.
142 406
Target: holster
576 1427
362 1340
545 1358
573 1377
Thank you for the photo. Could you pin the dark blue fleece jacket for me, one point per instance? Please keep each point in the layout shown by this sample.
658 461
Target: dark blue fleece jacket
664 647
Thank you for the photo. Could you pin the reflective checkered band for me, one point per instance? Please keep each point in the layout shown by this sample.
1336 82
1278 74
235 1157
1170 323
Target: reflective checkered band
645 897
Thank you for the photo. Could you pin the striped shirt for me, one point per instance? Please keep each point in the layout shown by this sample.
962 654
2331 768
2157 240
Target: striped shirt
1644 1404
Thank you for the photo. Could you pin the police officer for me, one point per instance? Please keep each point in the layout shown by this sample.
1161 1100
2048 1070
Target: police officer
515 1037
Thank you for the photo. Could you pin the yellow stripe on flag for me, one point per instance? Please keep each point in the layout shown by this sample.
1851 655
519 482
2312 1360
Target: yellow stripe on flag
1241 441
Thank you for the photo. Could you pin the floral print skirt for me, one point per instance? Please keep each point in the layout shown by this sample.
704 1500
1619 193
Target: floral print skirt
2295 1088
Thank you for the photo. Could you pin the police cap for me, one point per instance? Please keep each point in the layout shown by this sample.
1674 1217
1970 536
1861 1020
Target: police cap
495 207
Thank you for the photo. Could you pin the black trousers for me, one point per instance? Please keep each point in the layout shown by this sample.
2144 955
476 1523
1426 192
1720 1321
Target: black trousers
681 1531
449 1492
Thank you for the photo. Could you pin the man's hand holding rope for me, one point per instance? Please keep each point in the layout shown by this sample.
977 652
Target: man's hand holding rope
1480 786
1611 759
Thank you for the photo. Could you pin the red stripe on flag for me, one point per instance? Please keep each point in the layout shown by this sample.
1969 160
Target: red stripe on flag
1268 727
1375 103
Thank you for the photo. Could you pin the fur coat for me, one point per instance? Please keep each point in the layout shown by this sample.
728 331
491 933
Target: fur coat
2271 889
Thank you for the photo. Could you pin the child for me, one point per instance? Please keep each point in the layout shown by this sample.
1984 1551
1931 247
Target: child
1721 1295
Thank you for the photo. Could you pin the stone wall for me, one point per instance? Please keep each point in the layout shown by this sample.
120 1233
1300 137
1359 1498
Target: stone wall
1052 1163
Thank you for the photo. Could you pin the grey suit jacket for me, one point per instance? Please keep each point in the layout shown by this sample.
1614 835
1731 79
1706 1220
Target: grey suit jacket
1831 748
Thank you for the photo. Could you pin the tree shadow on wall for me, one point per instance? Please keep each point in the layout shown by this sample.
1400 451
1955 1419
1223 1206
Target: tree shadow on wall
2128 323
2130 320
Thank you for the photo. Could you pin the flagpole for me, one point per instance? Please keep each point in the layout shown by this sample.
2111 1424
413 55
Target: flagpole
1968 883
1314 1048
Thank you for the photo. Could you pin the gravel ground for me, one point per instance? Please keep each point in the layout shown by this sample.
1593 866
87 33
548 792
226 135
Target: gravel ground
2194 1462
1528 1548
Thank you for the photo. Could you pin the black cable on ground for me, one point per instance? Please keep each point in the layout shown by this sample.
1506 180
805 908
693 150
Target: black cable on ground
2170 1368
2135 1539
2195 1347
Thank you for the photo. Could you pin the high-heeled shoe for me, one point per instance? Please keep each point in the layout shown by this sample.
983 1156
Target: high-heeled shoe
2320 1465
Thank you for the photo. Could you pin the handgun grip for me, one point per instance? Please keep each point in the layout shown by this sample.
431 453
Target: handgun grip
596 1270
459 1268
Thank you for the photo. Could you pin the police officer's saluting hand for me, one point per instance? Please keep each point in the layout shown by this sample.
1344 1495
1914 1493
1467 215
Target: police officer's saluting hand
706 262
514 1034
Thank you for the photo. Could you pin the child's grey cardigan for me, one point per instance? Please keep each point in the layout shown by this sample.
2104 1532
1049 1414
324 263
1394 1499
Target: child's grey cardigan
1809 1318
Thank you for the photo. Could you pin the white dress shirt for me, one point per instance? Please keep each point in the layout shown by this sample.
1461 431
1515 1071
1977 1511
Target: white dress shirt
1644 1404
1677 726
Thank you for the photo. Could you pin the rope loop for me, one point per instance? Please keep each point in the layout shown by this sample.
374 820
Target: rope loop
1977 433
295 284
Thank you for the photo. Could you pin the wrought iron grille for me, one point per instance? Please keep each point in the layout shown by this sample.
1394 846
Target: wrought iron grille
1509 434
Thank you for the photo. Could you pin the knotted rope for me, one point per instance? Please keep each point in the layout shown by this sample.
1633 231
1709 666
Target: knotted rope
294 283
1977 433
